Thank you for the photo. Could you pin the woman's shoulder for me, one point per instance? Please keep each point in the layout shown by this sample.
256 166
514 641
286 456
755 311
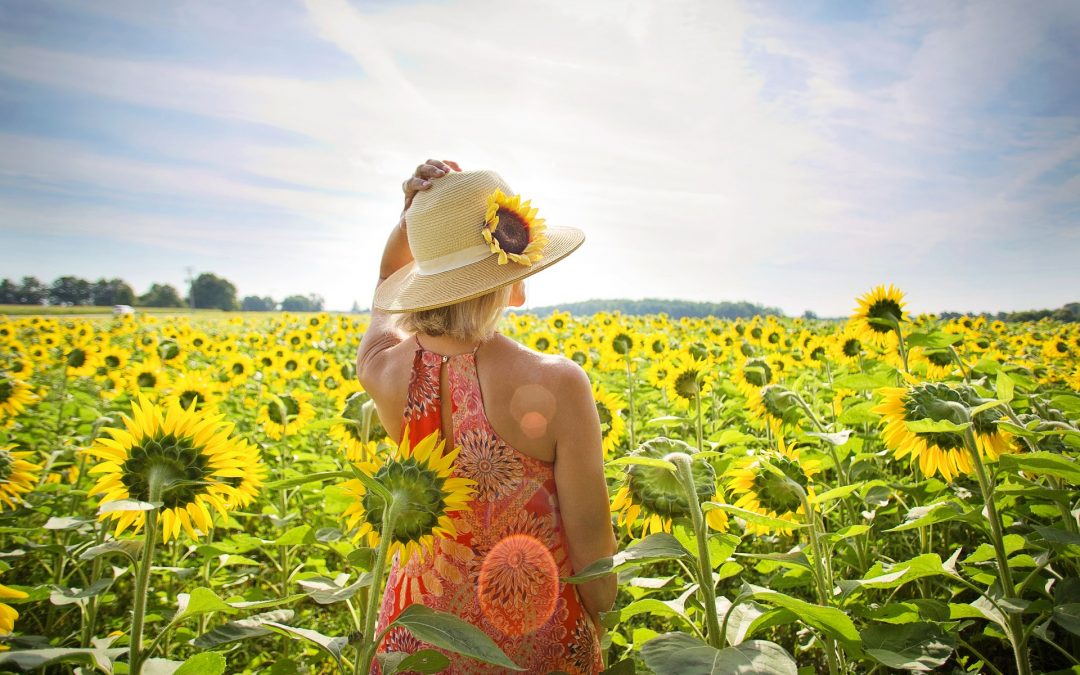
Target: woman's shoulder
556 372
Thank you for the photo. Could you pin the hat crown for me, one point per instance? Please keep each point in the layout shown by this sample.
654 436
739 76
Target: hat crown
449 216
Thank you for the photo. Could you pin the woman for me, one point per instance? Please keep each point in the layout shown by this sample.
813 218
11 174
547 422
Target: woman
524 424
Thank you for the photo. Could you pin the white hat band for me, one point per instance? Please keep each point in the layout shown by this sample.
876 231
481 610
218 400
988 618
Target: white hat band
453 260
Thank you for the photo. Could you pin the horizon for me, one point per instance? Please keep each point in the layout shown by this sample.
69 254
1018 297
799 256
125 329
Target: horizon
794 155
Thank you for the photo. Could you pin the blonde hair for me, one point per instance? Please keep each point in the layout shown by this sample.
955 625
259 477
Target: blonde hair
469 320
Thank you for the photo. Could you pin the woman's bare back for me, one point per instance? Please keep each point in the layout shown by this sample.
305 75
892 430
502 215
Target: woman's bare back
520 388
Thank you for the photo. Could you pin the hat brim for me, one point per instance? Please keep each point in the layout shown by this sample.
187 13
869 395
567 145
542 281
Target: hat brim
408 291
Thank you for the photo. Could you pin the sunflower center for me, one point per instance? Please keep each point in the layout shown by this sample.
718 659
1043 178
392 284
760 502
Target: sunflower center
418 489
238 368
6 464
76 357
776 401
168 349
686 384
775 493
756 332
292 409
112 361
189 395
512 232
758 372
622 343
579 358
605 415
542 344
851 348
175 457
146 379
7 388
888 311
938 358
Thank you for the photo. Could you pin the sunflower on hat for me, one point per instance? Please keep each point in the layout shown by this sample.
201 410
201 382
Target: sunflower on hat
512 229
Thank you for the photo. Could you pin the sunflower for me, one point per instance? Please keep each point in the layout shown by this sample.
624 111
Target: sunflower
148 374
111 362
14 396
350 434
879 315
688 380
238 368
577 351
512 229
425 492
190 461
8 614
559 321
847 345
195 386
17 476
80 360
543 341
759 489
753 374
298 412
938 451
773 406
609 405
657 494
939 362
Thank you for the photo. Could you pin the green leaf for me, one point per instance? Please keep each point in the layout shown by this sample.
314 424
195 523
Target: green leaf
65 523
680 653
328 591
449 632
126 547
127 505
753 516
863 381
1043 464
200 601
1068 617
330 645
308 478
938 512
207 663
910 646
934 340
829 620
666 421
839 438
643 461
882 575
30 659
656 546
241 629
1005 387
935 426
835 493
301 534
423 661
78 596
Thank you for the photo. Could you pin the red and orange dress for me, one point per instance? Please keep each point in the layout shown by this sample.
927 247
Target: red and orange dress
516 597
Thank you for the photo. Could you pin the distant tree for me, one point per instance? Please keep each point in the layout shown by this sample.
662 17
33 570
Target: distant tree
160 295
210 291
254 303
69 290
32 292
112 292
810 315
9 292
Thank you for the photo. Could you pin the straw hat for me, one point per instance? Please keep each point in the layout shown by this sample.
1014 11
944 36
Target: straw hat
470 234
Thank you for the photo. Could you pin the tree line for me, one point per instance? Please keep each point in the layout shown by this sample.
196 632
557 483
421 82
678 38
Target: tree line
673 308
208 291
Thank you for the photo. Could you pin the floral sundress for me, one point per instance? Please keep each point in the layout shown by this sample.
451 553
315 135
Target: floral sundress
537 620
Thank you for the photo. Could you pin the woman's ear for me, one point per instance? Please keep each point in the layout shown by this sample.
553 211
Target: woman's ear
517 293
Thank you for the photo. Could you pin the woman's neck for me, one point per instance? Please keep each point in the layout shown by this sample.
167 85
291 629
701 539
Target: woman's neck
444 344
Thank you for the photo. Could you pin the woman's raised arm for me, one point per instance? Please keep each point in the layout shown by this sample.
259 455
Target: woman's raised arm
380 334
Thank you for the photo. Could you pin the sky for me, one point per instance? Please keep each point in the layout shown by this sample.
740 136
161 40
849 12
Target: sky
790 153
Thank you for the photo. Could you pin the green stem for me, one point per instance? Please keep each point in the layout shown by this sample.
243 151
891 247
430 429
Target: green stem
1015 623
821 574
157 477
697 404
900 342
370 644
705 579
960 362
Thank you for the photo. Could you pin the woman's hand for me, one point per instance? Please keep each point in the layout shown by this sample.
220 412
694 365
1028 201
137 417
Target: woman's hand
421 180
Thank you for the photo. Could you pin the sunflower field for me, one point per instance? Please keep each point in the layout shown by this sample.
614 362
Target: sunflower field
200 495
